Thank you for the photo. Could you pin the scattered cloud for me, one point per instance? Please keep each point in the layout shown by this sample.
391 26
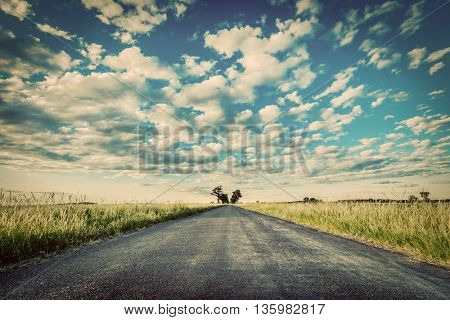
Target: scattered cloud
312 7
340 82
243 116
416 56
414 17
347 96
134 16
380 28
436 67
437 55
196 67
17 8
419 124
25 56
436 92
269 113
54 31
400 96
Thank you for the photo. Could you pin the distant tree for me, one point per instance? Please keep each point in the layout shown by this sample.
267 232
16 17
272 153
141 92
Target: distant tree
310 200
413 198
425 195
236 196
224 198
217 192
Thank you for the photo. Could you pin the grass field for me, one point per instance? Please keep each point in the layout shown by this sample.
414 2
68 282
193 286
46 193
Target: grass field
30 230
419 229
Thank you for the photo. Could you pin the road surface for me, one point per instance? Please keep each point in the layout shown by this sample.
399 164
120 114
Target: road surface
227 253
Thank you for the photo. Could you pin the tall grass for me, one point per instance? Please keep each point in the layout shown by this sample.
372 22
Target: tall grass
28 230
420 229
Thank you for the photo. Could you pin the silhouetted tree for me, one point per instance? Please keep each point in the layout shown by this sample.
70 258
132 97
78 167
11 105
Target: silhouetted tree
413 198
425 195
217 192
310 200
236 196
224 198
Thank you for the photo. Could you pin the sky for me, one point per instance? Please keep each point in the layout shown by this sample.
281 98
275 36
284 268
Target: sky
145 100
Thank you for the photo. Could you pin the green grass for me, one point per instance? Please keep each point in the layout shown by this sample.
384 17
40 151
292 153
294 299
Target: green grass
418 229
27 231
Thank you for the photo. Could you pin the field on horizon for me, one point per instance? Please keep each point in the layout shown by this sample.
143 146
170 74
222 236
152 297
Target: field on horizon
419 229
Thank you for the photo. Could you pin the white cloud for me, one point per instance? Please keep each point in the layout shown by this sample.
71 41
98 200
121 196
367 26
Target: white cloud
386 146
25 56
377 102
259 64
124 37
367 45
436 55
54 31
400 96
324 150
419 124
308 6
17 8
416 56
133 61
340 82
243 116
347 96
395 136
304 76
294 97
380 9
436 92
380 28
269 113
346 30
333 122
388 116
382 57
411 24
249 40
436 67
135 16
302 108
365 142
197 68
93 52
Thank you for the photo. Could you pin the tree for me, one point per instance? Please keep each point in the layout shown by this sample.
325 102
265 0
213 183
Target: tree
425 195
236 196
217 192
311 200
224 198
413 198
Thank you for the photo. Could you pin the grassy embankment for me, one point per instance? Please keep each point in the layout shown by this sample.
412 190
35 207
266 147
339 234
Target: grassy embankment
31 230
418 229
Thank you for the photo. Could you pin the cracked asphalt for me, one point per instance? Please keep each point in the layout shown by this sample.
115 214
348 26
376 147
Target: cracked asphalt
227 253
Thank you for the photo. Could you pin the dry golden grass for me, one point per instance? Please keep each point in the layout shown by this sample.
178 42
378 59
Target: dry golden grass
35 229
419 229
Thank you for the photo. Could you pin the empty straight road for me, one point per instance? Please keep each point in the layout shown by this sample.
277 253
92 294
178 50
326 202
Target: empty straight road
227 253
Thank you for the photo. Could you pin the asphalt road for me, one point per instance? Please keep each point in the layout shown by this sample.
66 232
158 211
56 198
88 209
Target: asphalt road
227 253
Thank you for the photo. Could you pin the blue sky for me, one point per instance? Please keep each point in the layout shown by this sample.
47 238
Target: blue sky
125 99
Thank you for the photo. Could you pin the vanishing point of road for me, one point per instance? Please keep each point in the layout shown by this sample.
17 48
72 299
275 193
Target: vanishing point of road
227 253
